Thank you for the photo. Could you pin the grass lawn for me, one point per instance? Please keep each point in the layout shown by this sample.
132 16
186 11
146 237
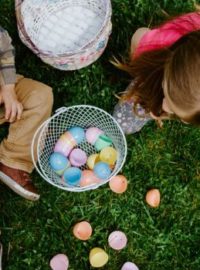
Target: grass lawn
166 238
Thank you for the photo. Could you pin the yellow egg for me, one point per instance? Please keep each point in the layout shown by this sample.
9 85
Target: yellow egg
98 257
108 155
82 230
118 184
153 197
92 160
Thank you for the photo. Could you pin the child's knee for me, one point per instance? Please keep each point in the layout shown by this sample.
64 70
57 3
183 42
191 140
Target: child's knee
40 99
46 99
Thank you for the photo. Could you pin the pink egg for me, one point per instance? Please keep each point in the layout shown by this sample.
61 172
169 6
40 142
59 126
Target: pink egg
65 144
117 240
129 266
77 157
59 262
92 134
88 178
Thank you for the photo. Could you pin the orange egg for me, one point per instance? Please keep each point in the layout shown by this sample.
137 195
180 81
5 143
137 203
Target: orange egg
118 184
88 178
153 197
82 230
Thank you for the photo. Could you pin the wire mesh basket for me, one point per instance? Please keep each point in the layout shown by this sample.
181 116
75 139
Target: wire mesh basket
67 34
84 116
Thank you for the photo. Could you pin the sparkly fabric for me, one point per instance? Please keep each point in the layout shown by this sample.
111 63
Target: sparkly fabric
127 119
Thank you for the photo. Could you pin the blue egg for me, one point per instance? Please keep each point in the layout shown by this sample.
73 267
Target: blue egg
58 163
78 134
102 170
72 176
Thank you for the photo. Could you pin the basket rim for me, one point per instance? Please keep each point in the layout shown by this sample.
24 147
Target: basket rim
90 43
39 132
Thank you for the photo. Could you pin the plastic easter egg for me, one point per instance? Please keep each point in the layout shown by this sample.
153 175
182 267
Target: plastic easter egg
98 257
129 266
82 230
92 160
153 197
59 262
108 155
72 176
58 163
92 134
102 142
88 178
65 144
118 184
77 157
102 170
77 133
117 240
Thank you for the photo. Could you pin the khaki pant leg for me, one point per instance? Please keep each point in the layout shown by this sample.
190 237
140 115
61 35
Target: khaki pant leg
37 100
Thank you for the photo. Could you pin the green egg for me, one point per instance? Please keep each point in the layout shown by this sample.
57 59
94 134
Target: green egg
102 142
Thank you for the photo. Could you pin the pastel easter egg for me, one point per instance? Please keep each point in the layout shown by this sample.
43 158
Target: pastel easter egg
118 184
65 144
72 176
102 170
129 266
58 163
77 133
77 157
88 178
92 134
98 257
153 197
59 262
102 142
108 155
82 230
92 160
117 240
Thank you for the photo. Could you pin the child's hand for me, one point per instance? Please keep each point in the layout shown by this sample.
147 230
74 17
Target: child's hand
13 108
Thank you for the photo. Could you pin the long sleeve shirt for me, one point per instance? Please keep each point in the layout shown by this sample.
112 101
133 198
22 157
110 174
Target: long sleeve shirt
7 59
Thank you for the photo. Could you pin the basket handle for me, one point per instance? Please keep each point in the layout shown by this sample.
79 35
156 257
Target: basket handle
21 27
33 145
37 134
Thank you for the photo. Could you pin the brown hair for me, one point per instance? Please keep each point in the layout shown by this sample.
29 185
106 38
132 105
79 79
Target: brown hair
182 78
177 68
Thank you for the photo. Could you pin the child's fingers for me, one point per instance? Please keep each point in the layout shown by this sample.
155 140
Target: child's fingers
13 113
8 110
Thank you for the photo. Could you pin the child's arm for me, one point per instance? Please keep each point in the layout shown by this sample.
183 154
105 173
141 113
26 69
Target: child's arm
137 37
13 107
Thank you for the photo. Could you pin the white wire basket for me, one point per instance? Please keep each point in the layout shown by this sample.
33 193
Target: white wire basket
67 34
84 116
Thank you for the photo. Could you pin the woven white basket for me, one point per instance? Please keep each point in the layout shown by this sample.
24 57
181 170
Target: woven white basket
85 116
67 34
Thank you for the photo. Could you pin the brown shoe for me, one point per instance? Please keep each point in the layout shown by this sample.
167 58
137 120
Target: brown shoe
19 181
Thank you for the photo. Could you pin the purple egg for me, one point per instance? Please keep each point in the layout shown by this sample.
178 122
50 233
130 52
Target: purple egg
92 134
117 240
129 266
78 157
59 262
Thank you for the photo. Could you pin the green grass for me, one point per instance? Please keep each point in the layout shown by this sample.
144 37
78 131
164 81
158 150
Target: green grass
166 238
